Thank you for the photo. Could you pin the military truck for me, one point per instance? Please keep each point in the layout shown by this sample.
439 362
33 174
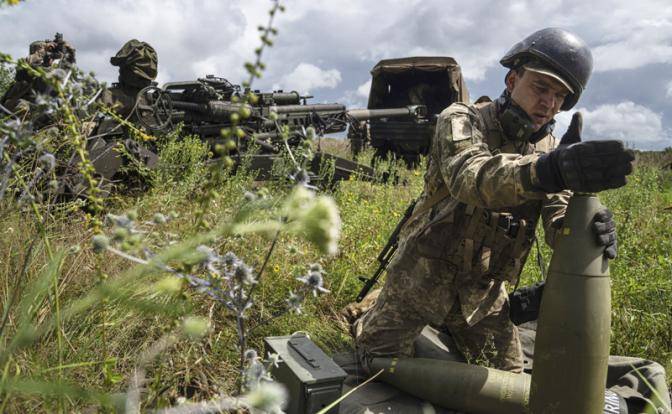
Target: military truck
435 82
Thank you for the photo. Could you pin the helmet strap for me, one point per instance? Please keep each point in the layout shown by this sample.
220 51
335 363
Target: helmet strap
516 124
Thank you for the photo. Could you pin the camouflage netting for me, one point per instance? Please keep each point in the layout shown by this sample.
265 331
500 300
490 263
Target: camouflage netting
138 63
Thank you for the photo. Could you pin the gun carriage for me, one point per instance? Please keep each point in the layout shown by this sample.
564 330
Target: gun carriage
205 107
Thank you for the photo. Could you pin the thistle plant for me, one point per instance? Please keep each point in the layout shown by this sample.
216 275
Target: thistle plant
195 266
224 277
65 104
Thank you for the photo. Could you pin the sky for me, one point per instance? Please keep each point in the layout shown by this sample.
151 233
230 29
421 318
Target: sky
327 48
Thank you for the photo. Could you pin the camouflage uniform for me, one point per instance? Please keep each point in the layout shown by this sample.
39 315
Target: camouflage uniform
26 87
138 66
453 258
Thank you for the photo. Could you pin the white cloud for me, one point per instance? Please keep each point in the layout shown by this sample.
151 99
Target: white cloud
307 77
632 123
188 36
364 89
646 43
223 34
668 89
328 48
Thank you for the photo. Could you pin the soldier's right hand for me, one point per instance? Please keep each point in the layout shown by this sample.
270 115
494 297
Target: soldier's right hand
588 167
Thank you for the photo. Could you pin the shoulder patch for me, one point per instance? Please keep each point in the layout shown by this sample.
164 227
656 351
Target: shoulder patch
461 127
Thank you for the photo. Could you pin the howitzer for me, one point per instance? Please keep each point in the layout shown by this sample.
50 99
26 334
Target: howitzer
385 255
207 105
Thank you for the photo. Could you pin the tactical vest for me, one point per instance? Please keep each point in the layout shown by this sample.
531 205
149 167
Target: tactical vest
478 241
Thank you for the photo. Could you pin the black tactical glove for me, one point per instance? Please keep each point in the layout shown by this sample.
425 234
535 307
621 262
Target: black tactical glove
524 303
605 232
587 167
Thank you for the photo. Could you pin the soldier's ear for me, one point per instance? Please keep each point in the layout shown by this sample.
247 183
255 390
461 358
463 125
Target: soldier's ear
510 80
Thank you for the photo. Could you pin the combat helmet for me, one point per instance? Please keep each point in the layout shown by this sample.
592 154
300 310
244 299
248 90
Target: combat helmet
562 52
37 46
137 63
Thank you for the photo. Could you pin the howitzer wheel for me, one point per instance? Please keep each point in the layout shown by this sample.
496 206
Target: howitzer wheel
154 108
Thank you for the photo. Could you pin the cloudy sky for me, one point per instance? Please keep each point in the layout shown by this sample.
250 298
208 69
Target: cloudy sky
327 48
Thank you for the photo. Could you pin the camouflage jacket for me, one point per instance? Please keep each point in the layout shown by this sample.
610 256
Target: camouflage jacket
484 227
120 98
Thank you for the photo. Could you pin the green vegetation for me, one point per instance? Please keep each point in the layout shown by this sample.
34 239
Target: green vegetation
99 348
6 78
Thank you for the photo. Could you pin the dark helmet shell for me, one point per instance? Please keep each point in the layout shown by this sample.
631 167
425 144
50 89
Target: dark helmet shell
562 51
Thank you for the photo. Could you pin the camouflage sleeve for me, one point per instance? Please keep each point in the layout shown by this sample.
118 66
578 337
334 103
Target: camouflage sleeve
554 205
472 173
552 213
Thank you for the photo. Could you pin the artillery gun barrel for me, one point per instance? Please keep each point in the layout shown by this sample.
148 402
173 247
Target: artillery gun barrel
280 98
412 111
218 110
271 135
297 109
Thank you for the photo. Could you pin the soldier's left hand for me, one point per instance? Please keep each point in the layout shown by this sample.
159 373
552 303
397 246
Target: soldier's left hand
604 228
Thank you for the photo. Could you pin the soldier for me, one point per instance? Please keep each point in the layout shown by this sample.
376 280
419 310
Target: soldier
494 170
138 66
111 148
48 54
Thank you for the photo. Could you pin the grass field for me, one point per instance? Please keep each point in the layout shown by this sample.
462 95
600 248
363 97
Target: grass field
98 349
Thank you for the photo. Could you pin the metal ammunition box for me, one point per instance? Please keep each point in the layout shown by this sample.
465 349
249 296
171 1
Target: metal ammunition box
313 380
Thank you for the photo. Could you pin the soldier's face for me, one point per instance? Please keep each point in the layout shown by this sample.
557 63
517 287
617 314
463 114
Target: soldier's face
540 96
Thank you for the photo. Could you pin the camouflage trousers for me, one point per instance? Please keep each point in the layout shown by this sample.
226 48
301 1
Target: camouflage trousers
422 291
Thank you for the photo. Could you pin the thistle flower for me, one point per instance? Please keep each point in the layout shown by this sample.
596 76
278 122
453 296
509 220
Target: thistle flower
294 302
230 259
244 274
314 281
120 234
58 74
210 259
251 355
274 360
